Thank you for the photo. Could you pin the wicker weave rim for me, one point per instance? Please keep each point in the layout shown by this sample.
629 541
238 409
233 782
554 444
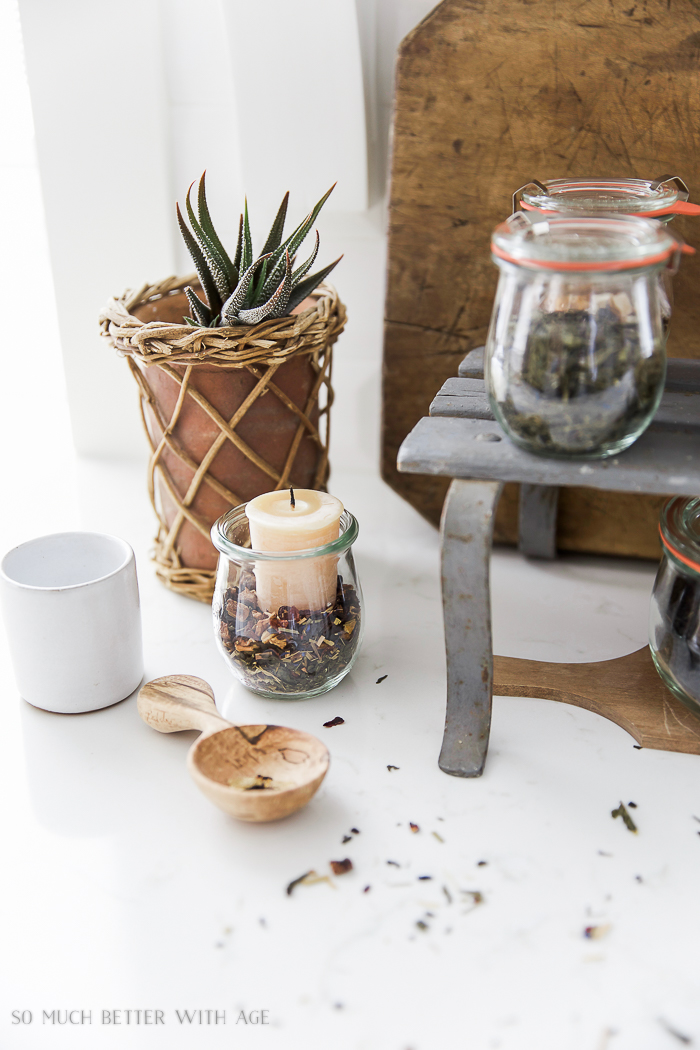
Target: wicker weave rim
271 341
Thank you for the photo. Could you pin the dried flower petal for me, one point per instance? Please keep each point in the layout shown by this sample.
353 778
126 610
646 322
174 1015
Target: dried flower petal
341 867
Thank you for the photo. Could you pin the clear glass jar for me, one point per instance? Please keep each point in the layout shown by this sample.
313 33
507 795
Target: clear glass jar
291 652
660 199
674 617
575 354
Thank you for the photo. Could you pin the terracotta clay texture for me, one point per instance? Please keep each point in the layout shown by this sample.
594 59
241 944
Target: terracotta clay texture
490 94
268 427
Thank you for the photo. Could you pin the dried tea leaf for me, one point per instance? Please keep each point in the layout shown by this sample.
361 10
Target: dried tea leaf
424 878
438 837
394 863
346 838
422 925
621 811
414 828
367 889
355 831
298 882
477 896
680 1036
337 721
341 867
380 680
392 768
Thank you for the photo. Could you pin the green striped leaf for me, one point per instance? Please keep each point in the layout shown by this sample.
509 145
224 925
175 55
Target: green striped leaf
215 267
274 237
211 234
306 287
205 277
200 311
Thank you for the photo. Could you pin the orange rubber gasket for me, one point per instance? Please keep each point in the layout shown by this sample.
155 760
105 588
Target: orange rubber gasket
623 264
676 554
679 208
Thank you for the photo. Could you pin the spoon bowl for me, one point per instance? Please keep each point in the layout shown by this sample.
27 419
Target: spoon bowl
255 773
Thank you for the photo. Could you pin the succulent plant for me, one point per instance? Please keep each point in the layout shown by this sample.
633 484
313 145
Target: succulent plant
247 290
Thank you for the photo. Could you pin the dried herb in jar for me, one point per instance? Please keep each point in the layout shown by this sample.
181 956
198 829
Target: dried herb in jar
584 382
293 650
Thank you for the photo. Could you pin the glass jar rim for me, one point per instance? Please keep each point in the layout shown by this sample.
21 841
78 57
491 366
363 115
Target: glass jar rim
679 527
635 196
583 242
349 531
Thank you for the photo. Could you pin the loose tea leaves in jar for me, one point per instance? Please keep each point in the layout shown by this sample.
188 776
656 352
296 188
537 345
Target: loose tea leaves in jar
674 618
570 357
575 357
288 651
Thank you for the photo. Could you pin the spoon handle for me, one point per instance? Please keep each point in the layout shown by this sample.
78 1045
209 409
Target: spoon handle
177 702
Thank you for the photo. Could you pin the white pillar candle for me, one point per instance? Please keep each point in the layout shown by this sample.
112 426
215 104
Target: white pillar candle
279 523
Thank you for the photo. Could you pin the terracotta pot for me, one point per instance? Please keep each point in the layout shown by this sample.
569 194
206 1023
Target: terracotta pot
268 427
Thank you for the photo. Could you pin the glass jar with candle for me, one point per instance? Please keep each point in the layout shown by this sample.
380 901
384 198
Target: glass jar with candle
287 621
661 199
674 620
575 355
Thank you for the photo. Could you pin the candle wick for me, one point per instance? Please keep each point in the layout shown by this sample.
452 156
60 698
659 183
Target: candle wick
291 498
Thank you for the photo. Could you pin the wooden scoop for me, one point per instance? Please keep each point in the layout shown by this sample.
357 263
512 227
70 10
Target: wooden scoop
255 773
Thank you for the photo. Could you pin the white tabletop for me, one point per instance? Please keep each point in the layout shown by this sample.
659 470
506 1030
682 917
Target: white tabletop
124 889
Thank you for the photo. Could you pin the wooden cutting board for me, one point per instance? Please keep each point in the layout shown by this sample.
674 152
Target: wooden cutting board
489 94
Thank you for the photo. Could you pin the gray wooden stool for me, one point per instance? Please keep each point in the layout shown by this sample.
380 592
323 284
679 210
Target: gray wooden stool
461 439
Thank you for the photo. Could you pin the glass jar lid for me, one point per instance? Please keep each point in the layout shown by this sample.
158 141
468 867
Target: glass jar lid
661 197
680 530
591 242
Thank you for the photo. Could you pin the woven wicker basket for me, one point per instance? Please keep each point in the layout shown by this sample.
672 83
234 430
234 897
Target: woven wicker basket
229 413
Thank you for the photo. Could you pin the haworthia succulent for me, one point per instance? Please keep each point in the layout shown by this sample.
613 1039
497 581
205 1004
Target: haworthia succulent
276 304
233 304
205 278
200 311
215 262
247 289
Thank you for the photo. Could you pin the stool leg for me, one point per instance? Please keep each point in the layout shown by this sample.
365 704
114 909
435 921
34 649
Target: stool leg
466 532
537 520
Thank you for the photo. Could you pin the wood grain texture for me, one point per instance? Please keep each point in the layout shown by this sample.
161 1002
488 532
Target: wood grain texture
490 93
255 773
627 690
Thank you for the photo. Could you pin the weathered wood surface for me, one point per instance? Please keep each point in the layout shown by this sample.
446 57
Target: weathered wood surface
537 521
465 530
627 690
490 93
660 461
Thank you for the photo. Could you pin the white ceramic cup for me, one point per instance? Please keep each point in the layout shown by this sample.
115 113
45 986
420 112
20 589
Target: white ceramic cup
71 608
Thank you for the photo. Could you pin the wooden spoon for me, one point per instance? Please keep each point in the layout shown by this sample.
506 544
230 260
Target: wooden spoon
255 773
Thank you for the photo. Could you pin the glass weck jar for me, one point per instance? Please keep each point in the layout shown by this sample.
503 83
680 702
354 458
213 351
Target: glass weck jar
305 646
674 620
660 199
575 355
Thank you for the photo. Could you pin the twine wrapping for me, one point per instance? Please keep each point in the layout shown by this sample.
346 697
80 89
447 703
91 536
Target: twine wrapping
260 350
